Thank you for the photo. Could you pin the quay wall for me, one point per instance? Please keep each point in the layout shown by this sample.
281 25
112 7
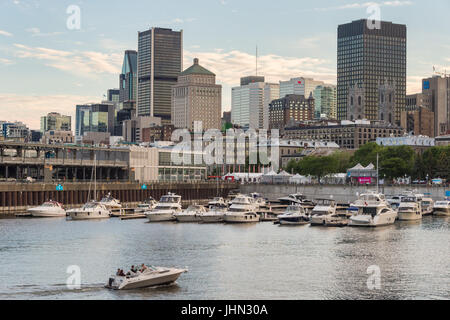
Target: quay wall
18 197
341 193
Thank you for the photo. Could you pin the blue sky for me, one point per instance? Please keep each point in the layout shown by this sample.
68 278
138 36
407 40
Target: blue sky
47 67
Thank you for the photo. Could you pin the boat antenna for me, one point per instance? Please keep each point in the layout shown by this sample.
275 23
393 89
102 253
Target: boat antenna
256 60
95 176
378 174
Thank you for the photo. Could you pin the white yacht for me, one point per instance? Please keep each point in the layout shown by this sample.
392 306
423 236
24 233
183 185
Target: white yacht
48 209
91 210
167 207
216 210
191 214
110 203
373 211
442 208
296 198
410 207
323 209
242 210
394 201
152 276
294 215
148 205
427 206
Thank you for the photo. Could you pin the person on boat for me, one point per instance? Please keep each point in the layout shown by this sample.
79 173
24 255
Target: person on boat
143 268
118 272
134 269
121 274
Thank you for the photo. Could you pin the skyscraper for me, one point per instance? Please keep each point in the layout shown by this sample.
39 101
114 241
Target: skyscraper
128 77
438 89
325 101
299 86
55 121
160 61
368 57
196 97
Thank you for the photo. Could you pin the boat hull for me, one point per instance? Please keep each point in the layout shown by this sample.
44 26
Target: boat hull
293 222
441 212
46 214
241 218
86 215
377 221
216 218
318 220
188 218
409 215
146 281
160 217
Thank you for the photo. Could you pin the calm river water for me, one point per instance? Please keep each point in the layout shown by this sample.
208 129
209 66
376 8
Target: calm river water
260 261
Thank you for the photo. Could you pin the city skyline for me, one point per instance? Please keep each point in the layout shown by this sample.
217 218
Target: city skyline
48 68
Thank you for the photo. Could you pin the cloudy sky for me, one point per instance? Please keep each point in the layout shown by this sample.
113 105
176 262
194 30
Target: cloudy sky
46 66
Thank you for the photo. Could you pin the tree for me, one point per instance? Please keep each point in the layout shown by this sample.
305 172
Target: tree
317 166
366 154
394 168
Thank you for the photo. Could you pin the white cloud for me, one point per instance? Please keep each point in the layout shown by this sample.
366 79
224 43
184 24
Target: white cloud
358 5
232 65
5 33
29 108
6 62
82 63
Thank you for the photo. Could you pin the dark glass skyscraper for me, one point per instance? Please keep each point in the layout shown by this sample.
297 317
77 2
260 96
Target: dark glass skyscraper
160 61
369 58
128 77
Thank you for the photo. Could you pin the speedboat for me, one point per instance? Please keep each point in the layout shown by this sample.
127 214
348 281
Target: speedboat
152 276
442 208
261 202
427 206
148 205
242 210
191 214
373 211
410 208
91 210
294 215
110 203
323 209
339 219
166 209
297 198
48 209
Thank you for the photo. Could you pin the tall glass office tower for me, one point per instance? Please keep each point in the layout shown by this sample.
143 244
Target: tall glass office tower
160 61
369 57
128 77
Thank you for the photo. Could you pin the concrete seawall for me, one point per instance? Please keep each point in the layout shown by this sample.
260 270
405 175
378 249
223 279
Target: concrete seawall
340 193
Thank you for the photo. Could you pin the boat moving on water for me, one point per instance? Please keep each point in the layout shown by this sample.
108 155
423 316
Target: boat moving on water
49 209
150 277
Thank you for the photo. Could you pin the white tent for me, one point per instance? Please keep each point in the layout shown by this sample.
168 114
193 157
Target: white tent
357 167
298 179
370 167
269 177
282 177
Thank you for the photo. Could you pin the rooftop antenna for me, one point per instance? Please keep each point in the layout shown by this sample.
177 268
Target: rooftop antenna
256 60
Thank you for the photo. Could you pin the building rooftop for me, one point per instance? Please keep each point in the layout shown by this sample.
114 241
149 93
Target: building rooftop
196 69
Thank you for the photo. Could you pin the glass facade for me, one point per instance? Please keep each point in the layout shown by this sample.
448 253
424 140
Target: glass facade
160 53
367 58
128 77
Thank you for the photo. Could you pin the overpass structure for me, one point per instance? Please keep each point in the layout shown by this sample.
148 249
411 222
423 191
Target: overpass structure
21 161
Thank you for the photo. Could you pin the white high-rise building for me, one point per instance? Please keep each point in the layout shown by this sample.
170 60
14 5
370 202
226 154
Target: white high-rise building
250 103
299 86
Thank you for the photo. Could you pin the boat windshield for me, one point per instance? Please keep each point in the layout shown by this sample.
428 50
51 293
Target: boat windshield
294 209
370 210
409 199
443 203
49 204
325 202
238 210
169 199
90 205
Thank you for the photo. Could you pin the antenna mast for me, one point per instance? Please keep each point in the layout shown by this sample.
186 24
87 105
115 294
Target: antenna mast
256 60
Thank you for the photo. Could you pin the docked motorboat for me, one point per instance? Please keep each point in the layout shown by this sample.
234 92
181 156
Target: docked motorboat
294 215
168 206
148 205
323 209
442 208
394 201
47 210
373 211
427 206
218 202
216 210
150 277
410 208
242 210
191 214
261 202
91 210
110 202
339 219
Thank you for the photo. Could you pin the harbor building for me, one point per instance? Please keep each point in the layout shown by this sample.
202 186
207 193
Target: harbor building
197 97
366 58
56 121
160 61
347 134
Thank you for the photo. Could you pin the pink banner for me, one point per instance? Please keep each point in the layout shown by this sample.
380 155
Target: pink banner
365 180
